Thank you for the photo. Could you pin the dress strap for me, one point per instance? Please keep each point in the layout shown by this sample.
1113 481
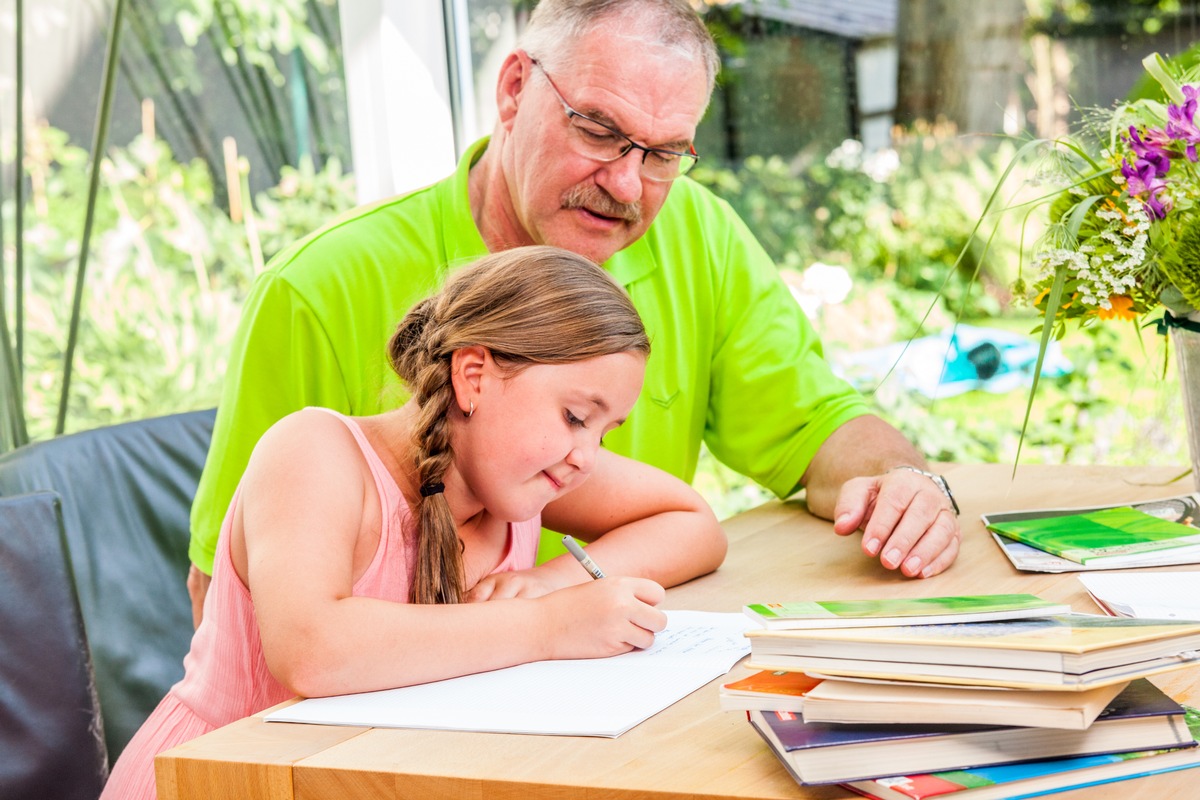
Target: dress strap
394 508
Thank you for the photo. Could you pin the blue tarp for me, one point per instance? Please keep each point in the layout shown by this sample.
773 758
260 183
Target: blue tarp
955 361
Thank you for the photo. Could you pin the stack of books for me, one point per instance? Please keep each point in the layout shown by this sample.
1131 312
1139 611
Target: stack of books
994 706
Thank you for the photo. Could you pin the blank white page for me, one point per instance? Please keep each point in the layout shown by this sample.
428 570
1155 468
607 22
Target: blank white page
585 697
1147 595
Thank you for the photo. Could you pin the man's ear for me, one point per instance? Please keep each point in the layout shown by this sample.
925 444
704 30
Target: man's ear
510 86
468 366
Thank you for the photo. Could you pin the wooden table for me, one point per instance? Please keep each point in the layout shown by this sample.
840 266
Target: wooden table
691 750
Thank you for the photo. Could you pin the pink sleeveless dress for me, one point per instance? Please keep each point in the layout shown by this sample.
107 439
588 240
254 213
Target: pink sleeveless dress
225 674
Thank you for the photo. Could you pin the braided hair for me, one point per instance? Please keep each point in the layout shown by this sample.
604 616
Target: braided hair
528 305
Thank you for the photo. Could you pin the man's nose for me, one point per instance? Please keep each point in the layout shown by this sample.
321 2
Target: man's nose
623 178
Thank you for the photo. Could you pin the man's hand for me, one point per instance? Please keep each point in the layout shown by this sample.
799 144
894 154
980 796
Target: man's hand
197 583
906 519
862 478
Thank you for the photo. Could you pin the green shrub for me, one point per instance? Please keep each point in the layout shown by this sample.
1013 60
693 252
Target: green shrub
902 215
168 273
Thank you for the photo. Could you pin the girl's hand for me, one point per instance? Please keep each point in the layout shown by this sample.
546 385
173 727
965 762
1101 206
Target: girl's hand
504 585
603 618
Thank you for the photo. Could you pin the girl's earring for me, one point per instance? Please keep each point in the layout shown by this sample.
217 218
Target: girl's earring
468 414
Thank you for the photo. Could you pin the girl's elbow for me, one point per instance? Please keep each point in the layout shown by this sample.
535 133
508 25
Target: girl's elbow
303 670
710 545
718 546
718 542
300 676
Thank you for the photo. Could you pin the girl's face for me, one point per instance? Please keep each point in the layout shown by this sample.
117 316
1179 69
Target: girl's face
534 435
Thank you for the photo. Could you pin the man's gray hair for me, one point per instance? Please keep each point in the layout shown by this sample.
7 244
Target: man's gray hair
556 25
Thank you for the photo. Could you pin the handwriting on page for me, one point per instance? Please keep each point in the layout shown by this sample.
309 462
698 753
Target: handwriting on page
686 635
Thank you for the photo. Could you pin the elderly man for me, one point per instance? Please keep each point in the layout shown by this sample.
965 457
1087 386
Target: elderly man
598 108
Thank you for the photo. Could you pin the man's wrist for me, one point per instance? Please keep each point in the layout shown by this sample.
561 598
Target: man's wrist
938 481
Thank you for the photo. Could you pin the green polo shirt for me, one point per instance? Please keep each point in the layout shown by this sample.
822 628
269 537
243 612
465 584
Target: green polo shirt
734 361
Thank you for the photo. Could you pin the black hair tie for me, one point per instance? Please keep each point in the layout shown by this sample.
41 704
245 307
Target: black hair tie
430 489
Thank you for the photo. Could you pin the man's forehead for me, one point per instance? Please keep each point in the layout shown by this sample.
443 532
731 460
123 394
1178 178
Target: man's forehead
635 83
638 51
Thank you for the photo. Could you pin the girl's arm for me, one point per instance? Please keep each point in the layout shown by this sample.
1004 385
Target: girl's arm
641 521
306 527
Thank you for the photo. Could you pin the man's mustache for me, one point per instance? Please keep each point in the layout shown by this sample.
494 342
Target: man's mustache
594 199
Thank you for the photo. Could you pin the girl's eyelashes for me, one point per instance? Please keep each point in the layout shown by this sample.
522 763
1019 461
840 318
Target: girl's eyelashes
572 420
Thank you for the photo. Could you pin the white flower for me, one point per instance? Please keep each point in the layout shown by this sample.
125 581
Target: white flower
847 155
881 165
822 285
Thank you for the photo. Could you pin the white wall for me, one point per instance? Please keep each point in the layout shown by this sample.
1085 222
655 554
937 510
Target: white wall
58 35
398 92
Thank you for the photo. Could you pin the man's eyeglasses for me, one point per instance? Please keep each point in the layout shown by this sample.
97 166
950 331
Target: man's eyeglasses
597 141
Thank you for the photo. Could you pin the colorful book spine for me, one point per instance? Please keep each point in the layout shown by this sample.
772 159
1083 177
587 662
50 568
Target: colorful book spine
1035 778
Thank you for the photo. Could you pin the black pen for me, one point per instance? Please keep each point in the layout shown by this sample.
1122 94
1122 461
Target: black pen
583 558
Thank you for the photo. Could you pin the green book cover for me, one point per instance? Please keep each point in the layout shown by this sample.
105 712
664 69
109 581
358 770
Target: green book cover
1099 534
900 610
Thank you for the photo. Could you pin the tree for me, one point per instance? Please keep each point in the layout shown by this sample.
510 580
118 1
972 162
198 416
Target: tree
961 60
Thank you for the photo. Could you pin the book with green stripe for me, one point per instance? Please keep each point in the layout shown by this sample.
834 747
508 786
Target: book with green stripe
1069 652
1105 537
900 611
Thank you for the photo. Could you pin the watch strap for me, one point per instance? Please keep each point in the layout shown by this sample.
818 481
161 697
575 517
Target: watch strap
937 479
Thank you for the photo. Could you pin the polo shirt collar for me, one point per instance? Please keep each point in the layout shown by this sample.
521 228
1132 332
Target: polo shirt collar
635 261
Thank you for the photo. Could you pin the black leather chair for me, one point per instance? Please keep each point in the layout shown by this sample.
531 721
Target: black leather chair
126 497
51 744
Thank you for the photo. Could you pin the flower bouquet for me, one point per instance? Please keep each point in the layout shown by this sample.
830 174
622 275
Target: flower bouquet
1124 235
1124 232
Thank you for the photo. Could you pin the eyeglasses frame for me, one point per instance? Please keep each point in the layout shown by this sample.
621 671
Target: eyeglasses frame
630 144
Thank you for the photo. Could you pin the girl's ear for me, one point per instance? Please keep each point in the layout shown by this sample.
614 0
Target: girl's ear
467 368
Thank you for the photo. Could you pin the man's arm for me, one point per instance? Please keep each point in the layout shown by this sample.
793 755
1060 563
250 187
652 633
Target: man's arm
197 586
906 518
778 411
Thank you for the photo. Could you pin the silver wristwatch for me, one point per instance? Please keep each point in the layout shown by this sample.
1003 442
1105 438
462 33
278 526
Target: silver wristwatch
938 479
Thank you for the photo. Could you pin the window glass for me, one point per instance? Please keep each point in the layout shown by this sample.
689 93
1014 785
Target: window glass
228 140
492 27
860 139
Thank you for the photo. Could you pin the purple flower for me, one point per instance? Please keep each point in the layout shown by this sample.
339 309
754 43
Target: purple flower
1143 182
1155 208
1181 122
1152 150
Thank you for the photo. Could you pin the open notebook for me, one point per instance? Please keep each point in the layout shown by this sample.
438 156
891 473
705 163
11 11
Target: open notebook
586 697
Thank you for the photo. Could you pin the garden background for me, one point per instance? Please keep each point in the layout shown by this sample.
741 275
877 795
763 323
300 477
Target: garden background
861 141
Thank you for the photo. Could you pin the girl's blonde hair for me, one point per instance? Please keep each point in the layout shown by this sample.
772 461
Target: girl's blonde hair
529 305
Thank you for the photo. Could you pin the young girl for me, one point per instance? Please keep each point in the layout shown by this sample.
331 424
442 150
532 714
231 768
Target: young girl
358 553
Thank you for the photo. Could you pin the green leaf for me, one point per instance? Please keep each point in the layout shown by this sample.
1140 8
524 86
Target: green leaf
1155 65
1052 302
1079 215
12 415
